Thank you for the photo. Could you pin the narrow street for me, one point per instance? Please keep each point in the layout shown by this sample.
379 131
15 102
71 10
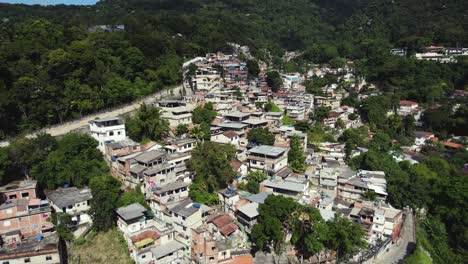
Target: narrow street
62 129
403 247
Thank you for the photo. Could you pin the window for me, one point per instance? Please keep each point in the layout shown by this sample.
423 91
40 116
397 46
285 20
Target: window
48 258
143 256
35 226
213 248
5 262
7 223
70 206
211 258
111 133
26 194
118 133
27 260
12 196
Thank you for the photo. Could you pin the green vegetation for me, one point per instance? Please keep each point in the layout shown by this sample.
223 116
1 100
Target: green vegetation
296 157
147 124
132 196
62 221
253 67
274 80
310 233
72 160
253 181
287 121
181 129
101 248
418 257
211 164
261 136
272 107
75 161
105 191
204 114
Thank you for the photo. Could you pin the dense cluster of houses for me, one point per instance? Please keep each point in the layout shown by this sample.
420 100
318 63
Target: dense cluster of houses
26 226
171 227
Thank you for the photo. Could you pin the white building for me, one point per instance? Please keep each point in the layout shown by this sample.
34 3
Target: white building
75 202
107 130
176 112
269 159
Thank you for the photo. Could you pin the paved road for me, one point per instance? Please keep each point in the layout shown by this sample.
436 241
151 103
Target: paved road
403 247
66 127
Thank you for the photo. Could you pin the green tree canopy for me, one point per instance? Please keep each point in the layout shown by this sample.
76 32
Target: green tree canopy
147 124
261 136
105 191
296 157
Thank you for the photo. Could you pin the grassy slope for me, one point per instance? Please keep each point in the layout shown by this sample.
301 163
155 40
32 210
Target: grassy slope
418 257
106 247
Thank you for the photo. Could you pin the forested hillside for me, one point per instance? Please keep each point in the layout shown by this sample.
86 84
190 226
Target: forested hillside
52 68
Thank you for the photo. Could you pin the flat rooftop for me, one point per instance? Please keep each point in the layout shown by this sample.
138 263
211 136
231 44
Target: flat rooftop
237 114
18 185
64 197
32 246
267 150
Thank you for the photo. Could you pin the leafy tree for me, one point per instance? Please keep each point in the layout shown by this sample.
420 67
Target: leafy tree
182 129
211 164
268 232
309 231
344 236
274 80
254 179
75 161
147 124
369 195
204 114
199 194
26 153
303 126
63 221
340 123
253 67
105 191
132 196
261 136
321 112
296 157
5 164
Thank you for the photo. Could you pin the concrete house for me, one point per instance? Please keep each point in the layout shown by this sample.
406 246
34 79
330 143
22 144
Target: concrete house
42 249
177 112
75 202
107 130
269 159
22 211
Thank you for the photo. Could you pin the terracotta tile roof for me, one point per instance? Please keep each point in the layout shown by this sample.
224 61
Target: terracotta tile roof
405 102
242 260
228 229
230 134
144 235
224 224
452 144
220 220
235 164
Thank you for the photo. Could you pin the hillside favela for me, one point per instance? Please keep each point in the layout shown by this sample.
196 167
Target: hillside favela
233 132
